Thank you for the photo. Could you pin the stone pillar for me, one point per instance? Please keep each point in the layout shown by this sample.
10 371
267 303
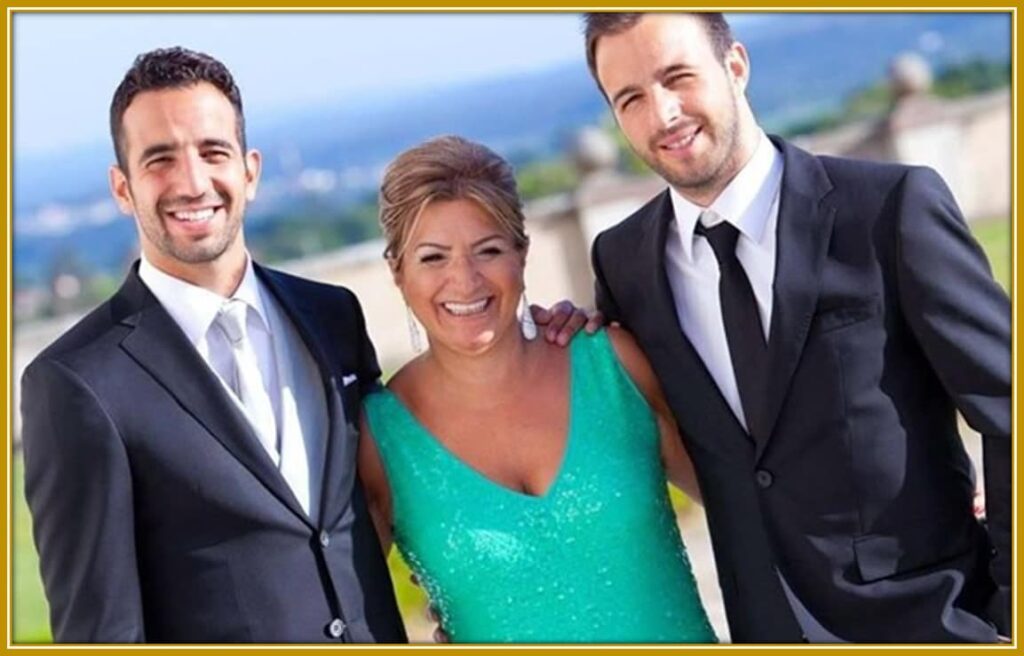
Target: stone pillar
920 130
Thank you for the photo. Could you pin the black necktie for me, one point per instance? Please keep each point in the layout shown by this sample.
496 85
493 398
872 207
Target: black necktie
742 320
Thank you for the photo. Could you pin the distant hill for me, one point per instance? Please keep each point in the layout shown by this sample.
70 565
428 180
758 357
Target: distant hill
806 63
803 64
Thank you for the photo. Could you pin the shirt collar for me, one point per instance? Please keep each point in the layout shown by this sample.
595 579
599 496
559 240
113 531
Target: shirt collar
195 308
744 202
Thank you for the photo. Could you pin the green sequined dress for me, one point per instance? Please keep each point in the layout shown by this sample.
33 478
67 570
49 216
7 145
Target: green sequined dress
597 558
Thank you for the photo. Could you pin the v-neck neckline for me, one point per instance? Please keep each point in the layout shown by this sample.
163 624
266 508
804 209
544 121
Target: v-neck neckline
462 464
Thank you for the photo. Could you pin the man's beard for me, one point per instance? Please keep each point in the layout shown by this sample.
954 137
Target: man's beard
192 252
198 253
189 252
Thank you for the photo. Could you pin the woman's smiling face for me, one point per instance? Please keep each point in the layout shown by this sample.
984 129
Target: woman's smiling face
462 276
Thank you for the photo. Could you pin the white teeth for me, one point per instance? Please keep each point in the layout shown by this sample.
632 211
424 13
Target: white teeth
465 309
682 142
198 215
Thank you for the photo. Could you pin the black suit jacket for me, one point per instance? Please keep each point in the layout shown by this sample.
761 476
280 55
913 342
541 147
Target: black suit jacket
853 483
157 514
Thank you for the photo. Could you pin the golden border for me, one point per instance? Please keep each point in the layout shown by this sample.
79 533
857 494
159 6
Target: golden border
267 6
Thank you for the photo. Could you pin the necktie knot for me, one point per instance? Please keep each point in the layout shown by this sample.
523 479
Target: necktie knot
231 319
722 237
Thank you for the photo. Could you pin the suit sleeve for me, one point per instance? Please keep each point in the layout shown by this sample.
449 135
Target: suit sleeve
369 369
602 294
79 489
961 318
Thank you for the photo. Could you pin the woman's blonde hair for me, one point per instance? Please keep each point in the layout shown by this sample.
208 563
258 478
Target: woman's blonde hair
443 169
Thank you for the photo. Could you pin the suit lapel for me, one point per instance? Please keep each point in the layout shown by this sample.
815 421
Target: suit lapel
159 346
342 406
705 410
804 229
340 456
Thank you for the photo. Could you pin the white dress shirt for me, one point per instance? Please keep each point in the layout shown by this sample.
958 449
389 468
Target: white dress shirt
750 203
290 375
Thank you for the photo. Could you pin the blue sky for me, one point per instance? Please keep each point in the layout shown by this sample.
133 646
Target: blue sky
66 66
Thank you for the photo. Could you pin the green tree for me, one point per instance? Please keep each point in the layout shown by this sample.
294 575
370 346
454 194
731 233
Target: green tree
544 178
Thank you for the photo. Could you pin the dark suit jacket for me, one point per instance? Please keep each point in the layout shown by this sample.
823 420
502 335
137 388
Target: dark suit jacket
853 482
157 514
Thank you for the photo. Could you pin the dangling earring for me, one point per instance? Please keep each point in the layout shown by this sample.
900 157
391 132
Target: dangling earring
414 331
526 321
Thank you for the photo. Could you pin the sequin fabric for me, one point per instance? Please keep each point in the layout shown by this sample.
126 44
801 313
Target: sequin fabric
598 558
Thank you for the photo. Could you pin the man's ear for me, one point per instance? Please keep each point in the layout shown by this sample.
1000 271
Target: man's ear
120 190
253 166
737 64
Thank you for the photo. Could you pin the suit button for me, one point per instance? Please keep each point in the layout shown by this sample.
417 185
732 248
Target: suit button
325 539
335 628
764 478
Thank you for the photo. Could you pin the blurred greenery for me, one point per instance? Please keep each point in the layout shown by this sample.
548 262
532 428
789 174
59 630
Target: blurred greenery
971 77
412 600
321 226
544 178
30 609
996 240
873 101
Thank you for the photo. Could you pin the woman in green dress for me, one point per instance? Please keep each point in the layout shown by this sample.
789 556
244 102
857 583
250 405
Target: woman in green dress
524 483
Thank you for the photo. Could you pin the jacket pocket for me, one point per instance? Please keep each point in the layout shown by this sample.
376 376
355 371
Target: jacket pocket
920 544
827 319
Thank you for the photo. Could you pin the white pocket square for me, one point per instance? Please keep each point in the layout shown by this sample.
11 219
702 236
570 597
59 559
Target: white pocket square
348 379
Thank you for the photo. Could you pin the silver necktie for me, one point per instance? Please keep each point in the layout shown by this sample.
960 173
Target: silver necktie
247 381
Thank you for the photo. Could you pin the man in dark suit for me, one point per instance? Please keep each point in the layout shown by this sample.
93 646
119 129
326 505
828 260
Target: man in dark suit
176 495
816 324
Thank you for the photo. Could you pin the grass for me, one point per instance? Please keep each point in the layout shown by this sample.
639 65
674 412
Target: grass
30 614
995 239
30 611
412 600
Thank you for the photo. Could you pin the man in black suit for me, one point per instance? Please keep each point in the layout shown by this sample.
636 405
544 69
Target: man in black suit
816 324
175 499
190 445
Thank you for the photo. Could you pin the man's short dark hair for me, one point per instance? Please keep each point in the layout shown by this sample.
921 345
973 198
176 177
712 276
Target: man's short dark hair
171 68
599 24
